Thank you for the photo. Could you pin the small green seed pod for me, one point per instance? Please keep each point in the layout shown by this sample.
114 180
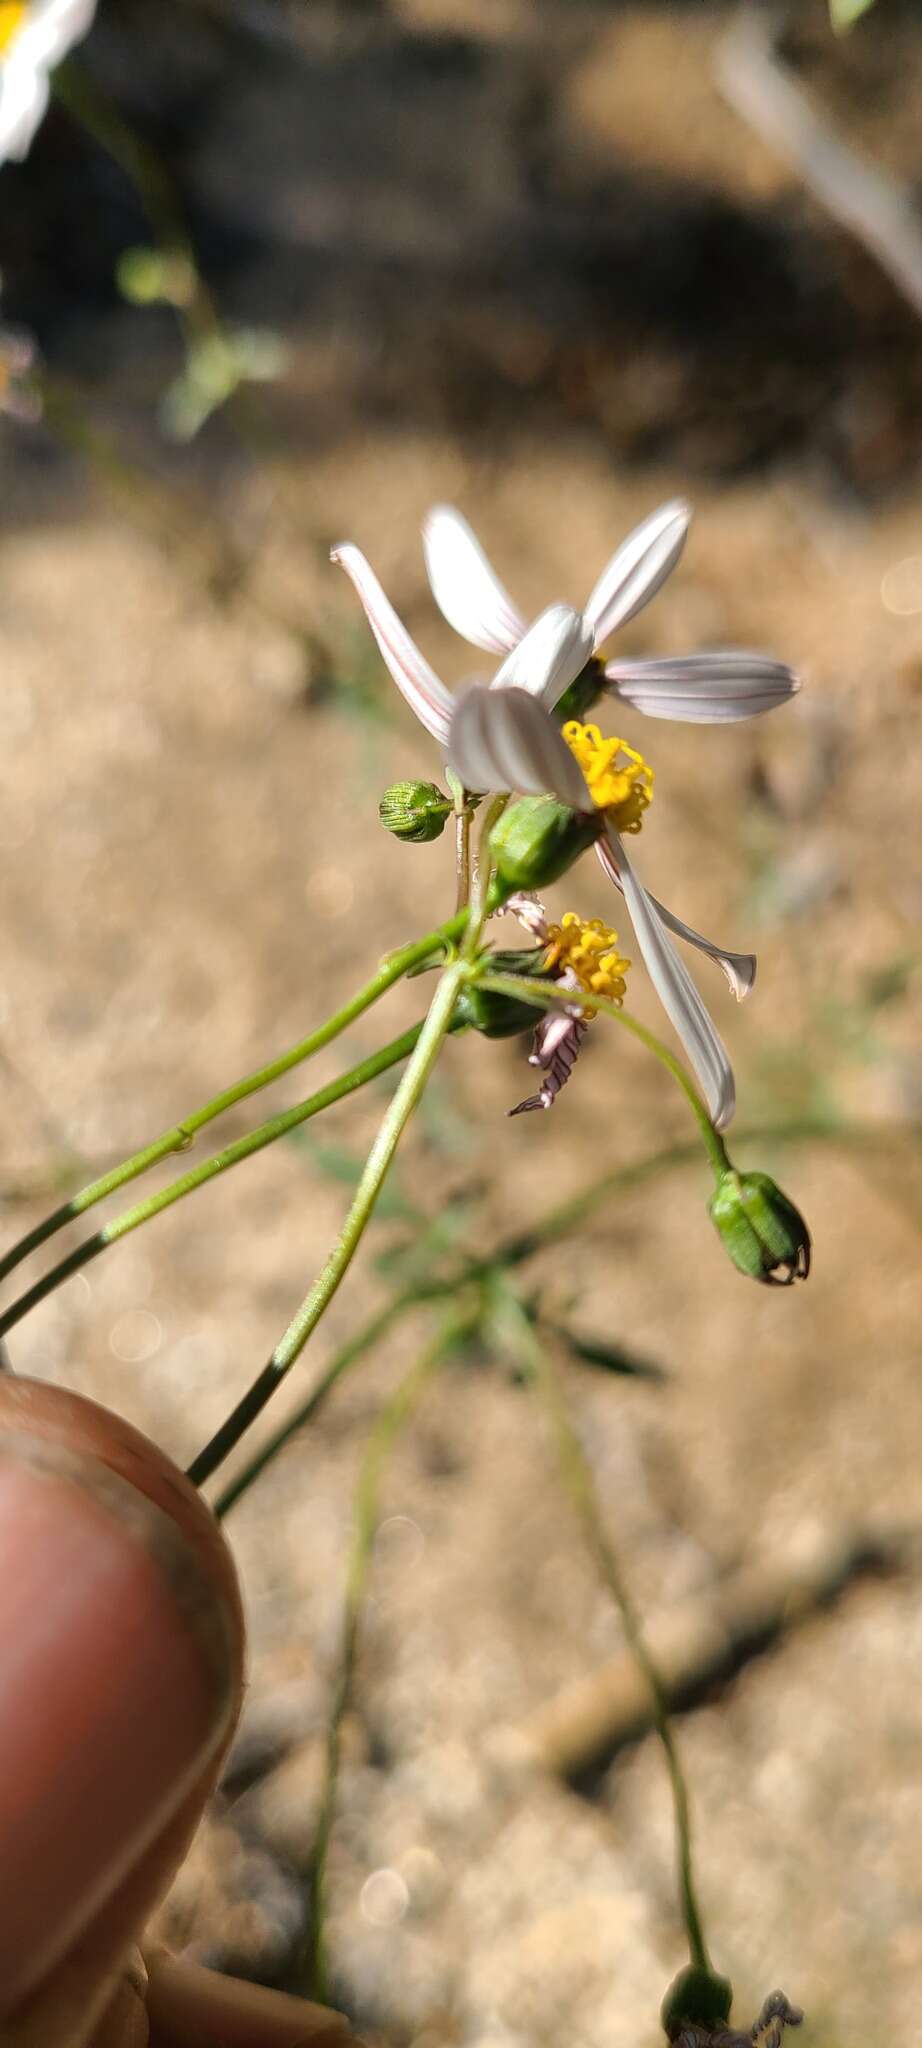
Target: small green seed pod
537 839
414 810
696 1998
765 1236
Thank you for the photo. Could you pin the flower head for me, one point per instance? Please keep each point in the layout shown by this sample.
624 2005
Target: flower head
506 740
34 36
705 689
587 951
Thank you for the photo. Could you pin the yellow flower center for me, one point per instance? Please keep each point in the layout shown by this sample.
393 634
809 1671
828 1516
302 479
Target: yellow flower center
589 949
12 16
621 786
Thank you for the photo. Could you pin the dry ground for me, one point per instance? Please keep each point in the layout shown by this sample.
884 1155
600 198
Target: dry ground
193 874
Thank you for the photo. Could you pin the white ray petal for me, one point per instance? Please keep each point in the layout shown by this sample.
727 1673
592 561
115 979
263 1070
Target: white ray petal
50 30
419 684
23 100
679 996
638 568
703 689
502 739
466 587
739 968
549 658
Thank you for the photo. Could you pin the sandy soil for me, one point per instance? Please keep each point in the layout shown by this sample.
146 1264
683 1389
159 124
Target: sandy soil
194 874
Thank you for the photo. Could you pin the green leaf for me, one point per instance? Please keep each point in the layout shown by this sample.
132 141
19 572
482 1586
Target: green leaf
609 1357
844 13
336 1164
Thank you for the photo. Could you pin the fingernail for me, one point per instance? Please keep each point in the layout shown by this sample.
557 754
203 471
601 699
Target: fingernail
196 2008
116 1686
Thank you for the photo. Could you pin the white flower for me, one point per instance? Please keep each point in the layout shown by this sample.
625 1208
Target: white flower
502 737
34 36
702 689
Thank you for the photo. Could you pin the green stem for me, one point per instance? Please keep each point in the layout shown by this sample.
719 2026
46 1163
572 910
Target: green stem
405 1100
179 1137
357 1347
144 171
545 995
557 1223
366 1513
580 1483
243 1148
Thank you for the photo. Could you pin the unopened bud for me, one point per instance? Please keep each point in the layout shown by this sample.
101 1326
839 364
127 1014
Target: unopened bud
414 810
537 839
765 1235
698 1997
501 1016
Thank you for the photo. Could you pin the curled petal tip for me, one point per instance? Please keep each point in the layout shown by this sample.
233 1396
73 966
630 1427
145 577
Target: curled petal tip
465 585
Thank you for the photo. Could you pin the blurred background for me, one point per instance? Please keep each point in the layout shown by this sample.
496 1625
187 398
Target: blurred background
296 271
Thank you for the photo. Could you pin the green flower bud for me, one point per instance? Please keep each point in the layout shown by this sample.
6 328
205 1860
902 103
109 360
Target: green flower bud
537 839
765 1235
414 810
696 1998
499 1016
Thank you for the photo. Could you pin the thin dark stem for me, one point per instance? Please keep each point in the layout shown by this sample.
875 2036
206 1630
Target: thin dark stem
581 1486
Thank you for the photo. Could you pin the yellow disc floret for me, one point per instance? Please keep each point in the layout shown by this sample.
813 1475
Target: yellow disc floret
12 16
589 949
621 786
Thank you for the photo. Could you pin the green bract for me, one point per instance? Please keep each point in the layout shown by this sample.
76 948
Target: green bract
501 1016
414 810
537 839
765 1235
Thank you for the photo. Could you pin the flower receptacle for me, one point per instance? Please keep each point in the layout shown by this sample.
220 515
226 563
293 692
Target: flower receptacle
697 1997
537 839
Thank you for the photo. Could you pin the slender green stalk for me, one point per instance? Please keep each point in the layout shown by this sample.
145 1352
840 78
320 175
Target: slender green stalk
366 1514
357 1347
513 1251
546 996
143 169
405 1100
243 1148
581 1486
179 1137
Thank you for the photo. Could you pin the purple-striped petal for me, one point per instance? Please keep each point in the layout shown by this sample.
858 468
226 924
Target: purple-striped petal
637 569
678 995
703 689
549 658
418 683
739 968
466 587
502 739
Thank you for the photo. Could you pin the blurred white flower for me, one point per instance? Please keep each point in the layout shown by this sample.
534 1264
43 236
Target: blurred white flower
700 689
34 36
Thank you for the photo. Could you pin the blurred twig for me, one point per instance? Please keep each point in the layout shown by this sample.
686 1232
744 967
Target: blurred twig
701 1644
858 196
